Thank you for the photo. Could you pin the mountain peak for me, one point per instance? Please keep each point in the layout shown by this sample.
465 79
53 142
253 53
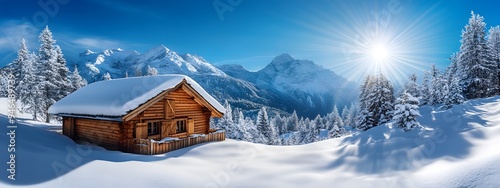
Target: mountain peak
283 58
160 48
86 53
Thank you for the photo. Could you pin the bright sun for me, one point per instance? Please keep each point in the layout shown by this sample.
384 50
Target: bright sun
379 53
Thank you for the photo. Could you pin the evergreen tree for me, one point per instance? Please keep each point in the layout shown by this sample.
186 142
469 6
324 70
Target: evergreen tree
368 105
263 126
351 117
336 119
65 86
435 87
152 71
226 122
138 72
412 87
376 102
454 94
293 122
52 72
424 89
106 76
3 85
28 88
406 112
18 63
76 80
475 60
386 99
494 45
274 135
345 114
280 125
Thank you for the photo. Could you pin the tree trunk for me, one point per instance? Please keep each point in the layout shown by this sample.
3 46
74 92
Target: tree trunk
47 117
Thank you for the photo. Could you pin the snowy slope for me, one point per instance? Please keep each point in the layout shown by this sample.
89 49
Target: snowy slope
457 148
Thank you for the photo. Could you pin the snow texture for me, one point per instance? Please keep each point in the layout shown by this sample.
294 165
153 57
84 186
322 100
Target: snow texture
457 148
119 96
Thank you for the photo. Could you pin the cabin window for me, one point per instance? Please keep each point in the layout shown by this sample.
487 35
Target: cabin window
154 128
181 126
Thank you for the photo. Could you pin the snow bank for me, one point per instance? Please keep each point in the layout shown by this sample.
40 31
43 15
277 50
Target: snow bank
117 97
456 148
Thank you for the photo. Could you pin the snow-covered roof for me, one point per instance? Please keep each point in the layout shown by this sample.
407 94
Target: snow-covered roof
117 97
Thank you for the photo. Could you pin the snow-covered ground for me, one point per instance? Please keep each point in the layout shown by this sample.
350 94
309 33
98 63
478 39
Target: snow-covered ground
457 148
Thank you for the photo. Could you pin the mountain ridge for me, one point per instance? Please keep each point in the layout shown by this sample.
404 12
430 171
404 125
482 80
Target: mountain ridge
284 85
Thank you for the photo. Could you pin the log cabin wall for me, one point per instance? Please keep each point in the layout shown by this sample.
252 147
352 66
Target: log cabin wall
175 105
100 132
187 107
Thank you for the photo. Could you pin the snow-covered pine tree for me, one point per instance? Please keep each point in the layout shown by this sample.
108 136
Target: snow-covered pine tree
246 127
311 130
475 60
65 86
126 74
376 102
386 99
494 45
424 89
264 127
106 76
411 86
345 113
351 117
138 72
452 70
52 72
3 85
253 134
226 122
406 112
305 135
152 71
435 87
280 125
454 94
293 122
336 116
19 62
275 136
76 80
28 88
368 108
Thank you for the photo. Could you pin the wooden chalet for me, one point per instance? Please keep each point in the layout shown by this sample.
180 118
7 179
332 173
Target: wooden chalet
146 115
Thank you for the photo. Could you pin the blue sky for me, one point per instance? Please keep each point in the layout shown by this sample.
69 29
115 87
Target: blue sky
332 33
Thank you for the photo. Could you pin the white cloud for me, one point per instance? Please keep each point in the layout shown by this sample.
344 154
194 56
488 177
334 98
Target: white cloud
12 32
95 43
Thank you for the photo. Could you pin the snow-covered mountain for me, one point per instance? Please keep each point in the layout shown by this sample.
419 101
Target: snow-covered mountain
286 84
314 88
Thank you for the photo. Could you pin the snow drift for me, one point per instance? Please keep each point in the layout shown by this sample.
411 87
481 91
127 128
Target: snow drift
456 148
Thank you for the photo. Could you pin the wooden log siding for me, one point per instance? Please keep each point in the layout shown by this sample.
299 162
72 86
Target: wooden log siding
103 133
147 147
186 107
